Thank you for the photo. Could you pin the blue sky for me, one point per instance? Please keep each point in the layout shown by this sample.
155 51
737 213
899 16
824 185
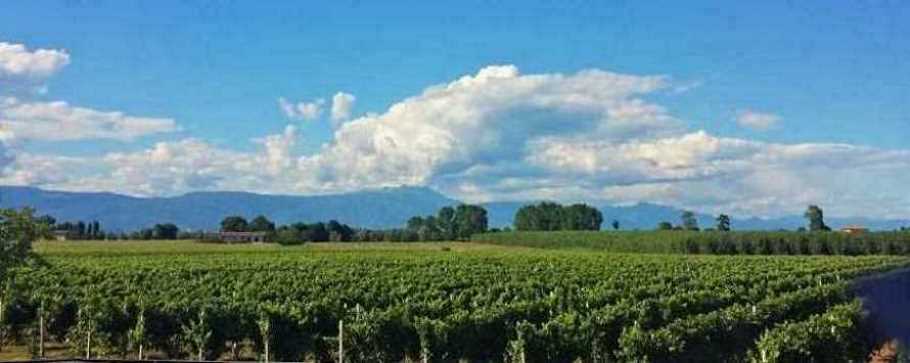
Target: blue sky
816 72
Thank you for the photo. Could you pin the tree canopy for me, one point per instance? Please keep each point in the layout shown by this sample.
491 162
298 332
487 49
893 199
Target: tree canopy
234 224
816 218
549 216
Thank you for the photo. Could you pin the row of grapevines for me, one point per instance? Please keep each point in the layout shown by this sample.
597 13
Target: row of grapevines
389 306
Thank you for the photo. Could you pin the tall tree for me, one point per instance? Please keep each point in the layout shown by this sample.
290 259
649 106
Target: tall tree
234 224
18 230
816 218
470 219
615 225
80 229
445 218
689 222
261 224
580 217
415 223
167 231
723 222
48 220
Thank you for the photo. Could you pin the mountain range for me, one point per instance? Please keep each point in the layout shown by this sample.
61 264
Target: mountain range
379 208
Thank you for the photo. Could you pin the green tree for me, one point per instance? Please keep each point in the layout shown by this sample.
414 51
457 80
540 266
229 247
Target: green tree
723 223
469 220
168 231
816 218
580 217
234 224
415 223
689 222
615 225
261 224
96 230
445 219
47 220
664 226
544 216
80 230
18 229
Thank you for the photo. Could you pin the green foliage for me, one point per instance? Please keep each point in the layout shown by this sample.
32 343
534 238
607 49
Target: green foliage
165 231
723 223
477 305
234 224
18 229
689 222
449 224
549 216
816 218
261 224
836 335
711 242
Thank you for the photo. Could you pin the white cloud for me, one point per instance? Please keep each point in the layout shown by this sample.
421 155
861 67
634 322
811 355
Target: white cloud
502 135
57 121
17 61
302 110
757 120
342 103
485 118
279 150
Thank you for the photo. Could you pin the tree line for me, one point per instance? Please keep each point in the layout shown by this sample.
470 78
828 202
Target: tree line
449 223
549 216
815 218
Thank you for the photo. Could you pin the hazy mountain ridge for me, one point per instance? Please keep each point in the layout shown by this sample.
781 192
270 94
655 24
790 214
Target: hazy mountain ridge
380 208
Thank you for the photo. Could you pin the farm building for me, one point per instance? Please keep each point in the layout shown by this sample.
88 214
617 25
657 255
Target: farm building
854 229
61 235
240 237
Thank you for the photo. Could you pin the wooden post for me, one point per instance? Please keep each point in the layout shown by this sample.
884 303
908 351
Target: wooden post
341 341
2 331
88 344
41 331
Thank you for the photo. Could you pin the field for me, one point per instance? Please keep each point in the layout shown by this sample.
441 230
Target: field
437 302
708 242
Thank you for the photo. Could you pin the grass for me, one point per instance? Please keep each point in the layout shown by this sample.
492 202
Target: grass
607 241
189 247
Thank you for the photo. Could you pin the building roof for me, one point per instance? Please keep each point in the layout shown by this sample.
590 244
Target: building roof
853 227
242 234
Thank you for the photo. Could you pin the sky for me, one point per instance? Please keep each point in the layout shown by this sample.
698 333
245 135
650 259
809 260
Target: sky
747 108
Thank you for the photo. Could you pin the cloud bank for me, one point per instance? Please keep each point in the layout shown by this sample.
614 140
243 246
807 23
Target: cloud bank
498 134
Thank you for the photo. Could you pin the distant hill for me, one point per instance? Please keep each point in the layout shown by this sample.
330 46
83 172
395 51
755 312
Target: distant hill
381 208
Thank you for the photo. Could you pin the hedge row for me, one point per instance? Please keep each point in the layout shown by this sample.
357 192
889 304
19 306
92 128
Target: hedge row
725 243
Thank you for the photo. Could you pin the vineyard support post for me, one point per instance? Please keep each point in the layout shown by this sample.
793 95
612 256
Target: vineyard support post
88 344
341 341
41 331
2 323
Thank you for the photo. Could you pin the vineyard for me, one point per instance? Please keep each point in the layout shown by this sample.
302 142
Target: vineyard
442 303
710 242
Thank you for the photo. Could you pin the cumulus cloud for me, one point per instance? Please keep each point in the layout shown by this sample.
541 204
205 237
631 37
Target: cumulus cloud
486 118
279 155
499 134
166 168
57 121
302 110
342 103
17 61
757 120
